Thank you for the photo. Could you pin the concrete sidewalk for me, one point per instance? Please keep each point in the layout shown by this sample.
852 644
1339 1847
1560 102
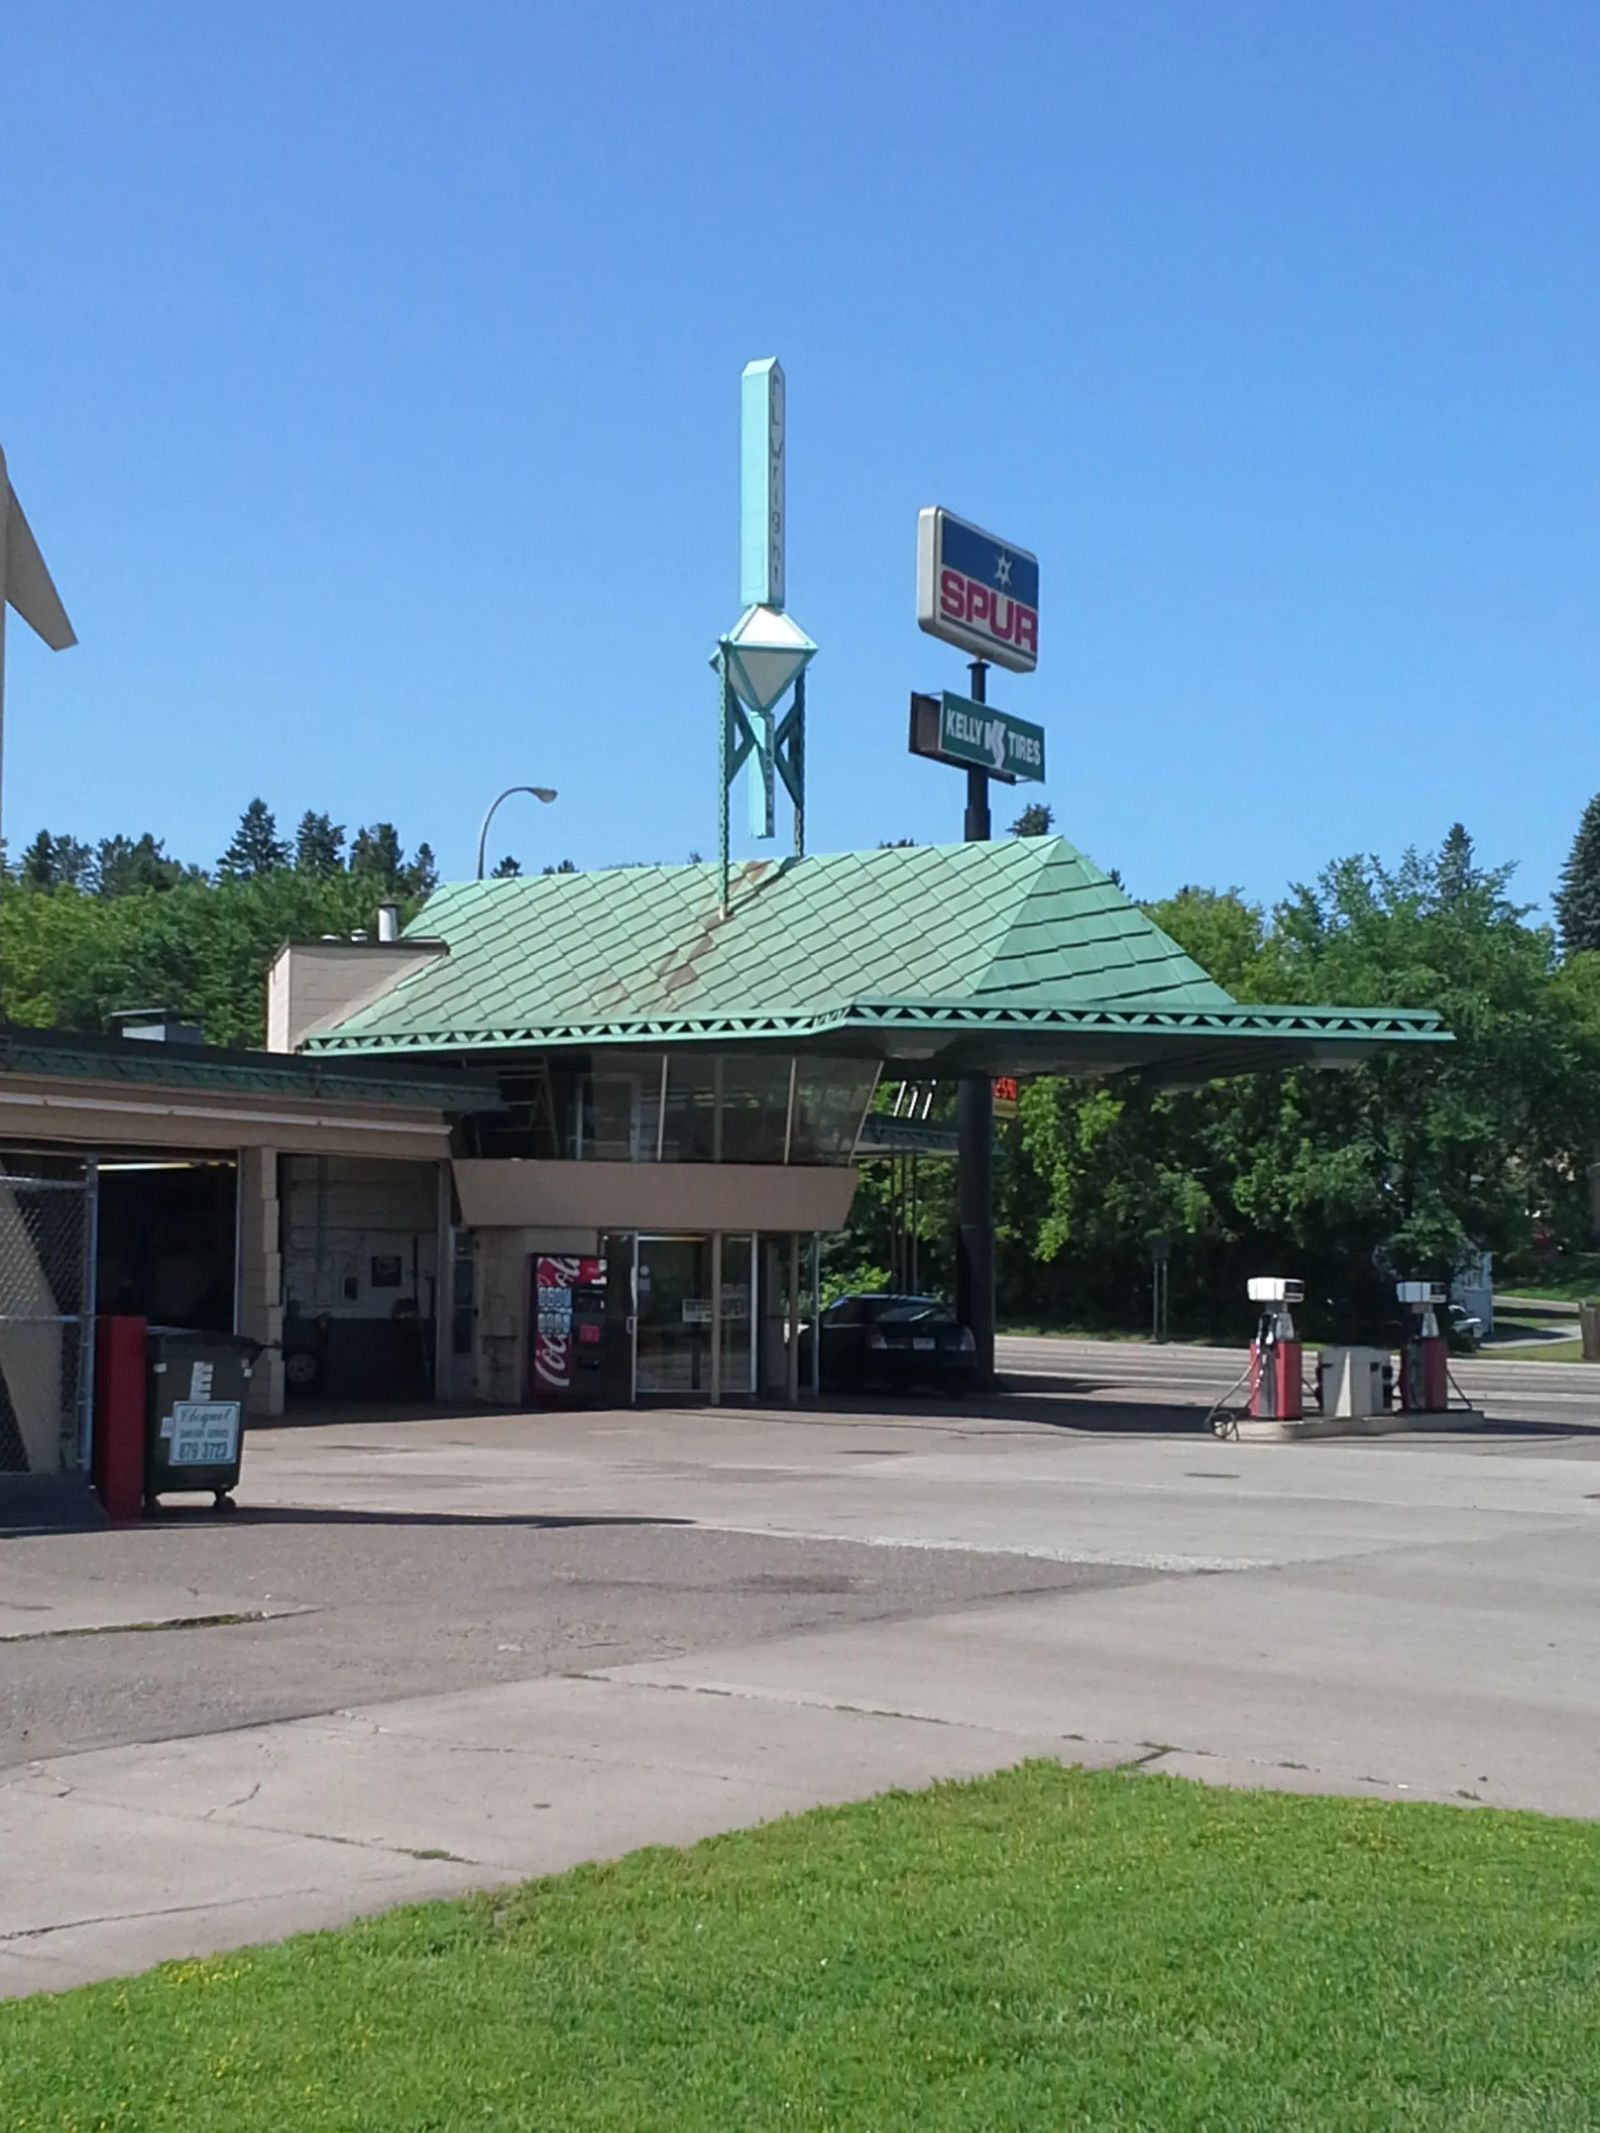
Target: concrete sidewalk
120 1858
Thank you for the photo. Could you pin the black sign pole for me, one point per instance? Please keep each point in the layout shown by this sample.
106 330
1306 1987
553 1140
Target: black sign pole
978 829
975 1137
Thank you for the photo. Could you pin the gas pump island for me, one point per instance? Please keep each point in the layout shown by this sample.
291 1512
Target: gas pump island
981 593
1351 1388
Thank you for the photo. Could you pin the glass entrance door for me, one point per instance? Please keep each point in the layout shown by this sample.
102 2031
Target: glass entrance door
679 1318
674 1340
738 1316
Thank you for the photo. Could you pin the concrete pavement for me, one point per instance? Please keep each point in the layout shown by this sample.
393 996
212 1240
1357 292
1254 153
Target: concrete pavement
132 1856
521 1641
322 1609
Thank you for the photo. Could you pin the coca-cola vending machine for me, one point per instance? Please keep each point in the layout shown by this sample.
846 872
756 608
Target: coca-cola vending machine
567 1350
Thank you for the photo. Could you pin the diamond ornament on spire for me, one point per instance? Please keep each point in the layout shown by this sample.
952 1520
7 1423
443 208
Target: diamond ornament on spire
766 652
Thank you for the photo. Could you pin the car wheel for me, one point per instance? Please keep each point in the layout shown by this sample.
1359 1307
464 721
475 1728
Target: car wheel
301 1368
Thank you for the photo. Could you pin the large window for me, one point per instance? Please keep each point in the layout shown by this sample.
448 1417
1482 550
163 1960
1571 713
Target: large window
830 1100
622 1110
689 1132
755 1109
681 1107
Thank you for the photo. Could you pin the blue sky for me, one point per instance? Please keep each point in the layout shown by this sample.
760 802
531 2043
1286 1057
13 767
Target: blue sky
370 375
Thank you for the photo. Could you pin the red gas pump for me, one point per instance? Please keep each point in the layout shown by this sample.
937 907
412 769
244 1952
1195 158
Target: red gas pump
1277 1380
1424 1350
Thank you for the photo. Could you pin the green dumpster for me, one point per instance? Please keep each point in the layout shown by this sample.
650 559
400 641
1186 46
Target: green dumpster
195 1411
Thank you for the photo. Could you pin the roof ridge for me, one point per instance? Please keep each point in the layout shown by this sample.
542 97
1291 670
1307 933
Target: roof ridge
1058 853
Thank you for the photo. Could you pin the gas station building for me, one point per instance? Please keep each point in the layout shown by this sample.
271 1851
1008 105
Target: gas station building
681 1085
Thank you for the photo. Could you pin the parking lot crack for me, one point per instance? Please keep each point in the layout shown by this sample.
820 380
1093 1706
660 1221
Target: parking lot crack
243 1800
119 1918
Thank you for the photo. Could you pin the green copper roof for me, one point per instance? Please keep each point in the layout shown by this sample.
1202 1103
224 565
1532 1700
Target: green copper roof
1017 953
391 1083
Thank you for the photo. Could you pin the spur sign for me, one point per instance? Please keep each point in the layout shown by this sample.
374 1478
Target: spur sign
977 591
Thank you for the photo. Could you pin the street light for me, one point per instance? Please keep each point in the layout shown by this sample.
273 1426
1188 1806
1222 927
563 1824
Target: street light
540 792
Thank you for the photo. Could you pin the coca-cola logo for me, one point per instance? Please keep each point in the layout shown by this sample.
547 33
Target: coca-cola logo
552 1360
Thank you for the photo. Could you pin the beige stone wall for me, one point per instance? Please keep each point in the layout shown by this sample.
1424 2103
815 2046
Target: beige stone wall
261 1273
698 1197
313 985
342 1211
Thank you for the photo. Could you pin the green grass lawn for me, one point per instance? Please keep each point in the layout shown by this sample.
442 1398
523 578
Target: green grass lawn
1041 1950
1033 1329
1573 1279
1533 1351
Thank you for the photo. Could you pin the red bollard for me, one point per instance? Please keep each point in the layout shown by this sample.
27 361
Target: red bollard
119 1416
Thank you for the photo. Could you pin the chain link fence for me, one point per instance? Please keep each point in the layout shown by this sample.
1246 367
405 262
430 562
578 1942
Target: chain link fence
46 1315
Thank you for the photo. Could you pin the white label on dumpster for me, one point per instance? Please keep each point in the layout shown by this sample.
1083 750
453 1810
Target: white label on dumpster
204 1433
200 1381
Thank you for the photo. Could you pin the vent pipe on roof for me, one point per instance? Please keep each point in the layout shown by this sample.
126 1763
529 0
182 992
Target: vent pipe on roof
388 922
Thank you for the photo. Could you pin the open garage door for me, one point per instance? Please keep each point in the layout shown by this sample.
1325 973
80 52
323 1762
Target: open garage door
361 1277
167 1244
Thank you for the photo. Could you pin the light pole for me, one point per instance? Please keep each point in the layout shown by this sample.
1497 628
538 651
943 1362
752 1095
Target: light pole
540 792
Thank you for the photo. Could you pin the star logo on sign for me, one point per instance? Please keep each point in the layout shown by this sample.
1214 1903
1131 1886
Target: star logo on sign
1002 571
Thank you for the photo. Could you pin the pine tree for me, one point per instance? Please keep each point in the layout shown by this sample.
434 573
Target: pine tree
376 853
63 862
318 845
1577 901
256 848
506 870
74 863
1036 820
562 866
124 865
1456 869
37 867
421 877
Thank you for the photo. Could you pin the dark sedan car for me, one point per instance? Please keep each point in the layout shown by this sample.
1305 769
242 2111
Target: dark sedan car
894 1340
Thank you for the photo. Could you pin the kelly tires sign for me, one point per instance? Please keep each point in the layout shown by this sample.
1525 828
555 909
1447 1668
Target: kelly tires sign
955 729
977 591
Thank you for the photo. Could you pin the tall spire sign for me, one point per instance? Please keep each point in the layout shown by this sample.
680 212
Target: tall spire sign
765 655
761 484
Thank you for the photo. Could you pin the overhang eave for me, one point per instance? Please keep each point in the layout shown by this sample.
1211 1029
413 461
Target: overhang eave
1171 1045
